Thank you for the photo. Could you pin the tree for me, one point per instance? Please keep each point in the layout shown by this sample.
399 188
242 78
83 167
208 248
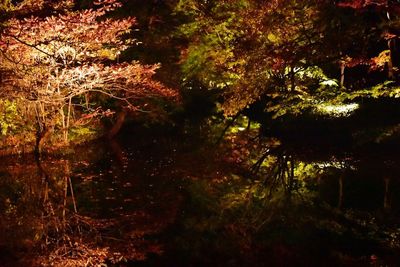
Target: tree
255 50
386 22
289 57
58 63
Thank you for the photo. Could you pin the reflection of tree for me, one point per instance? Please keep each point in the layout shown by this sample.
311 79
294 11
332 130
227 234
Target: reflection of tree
340 194
386 201
281 216
281 171
40 211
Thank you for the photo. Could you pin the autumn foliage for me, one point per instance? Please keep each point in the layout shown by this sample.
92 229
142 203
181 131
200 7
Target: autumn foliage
58 62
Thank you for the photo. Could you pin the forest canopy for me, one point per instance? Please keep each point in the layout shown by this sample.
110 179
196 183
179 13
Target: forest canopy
66 64
60 66
291 55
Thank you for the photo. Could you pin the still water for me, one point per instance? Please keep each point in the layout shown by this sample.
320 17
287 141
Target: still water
145 200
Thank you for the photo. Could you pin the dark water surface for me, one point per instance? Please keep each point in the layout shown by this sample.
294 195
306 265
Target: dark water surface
152 201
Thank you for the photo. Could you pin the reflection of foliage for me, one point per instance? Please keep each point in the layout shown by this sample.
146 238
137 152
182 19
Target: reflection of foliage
39 212
277 219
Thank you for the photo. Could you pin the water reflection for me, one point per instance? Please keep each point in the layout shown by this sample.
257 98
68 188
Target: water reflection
97 208
158 203
297 213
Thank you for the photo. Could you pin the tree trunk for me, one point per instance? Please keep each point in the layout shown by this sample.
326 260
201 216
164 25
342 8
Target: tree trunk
390 63
292 80
227 127
40 134
66 130
117 125
342 69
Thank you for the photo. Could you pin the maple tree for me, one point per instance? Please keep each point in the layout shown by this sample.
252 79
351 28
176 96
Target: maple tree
253 50
58 63
288 57
386 25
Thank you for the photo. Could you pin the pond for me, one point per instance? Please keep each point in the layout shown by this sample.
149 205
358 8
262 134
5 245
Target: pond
144 200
